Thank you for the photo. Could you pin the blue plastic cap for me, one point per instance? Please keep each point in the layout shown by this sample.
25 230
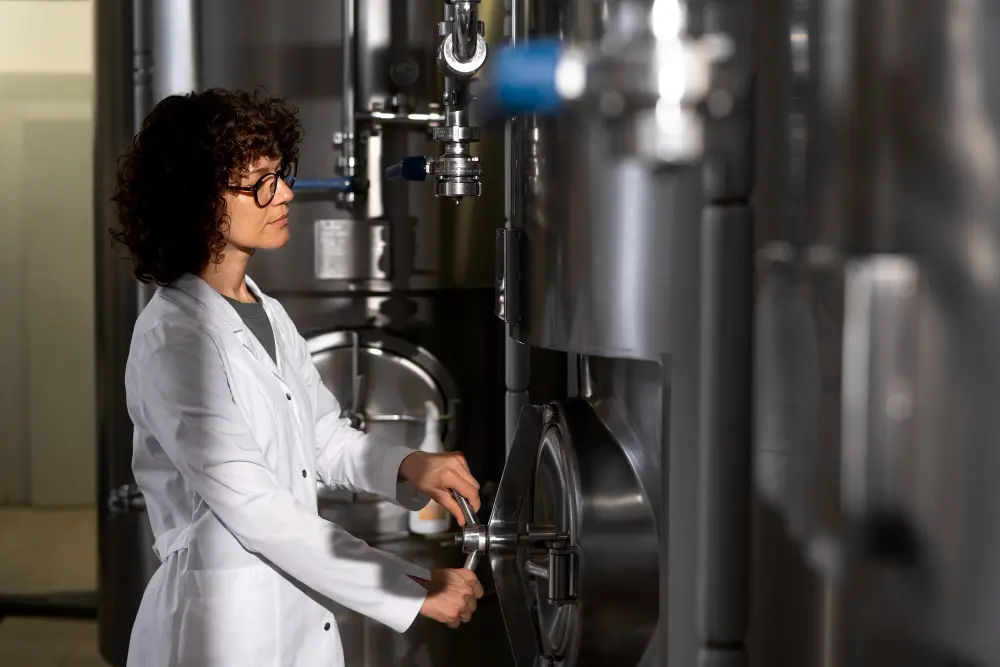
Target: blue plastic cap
525 78
408 169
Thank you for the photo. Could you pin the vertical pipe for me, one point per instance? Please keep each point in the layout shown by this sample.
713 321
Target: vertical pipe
681 564
175 48
724 430
680 452
584 380
516 355
142 61
349 47
142 92
466 29
726 294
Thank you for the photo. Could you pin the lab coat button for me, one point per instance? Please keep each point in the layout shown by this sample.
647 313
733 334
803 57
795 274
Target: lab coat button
326 627
303 474
288 396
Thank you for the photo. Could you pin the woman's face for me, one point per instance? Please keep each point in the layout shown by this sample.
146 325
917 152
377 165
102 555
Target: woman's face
252 226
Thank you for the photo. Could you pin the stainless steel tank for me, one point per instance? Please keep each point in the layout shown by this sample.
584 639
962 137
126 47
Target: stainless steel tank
589 266
596 222
878 326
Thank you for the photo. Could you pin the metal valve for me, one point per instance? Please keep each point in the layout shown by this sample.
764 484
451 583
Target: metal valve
473 538
462 53
457 173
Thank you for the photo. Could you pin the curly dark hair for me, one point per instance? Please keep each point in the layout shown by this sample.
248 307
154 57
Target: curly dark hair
170 206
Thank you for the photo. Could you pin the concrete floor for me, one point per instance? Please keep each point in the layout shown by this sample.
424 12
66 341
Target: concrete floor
48 551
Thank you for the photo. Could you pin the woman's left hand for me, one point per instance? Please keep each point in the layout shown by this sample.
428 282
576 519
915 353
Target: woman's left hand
437 474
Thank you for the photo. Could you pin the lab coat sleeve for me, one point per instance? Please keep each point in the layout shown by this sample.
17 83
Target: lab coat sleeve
346 457
179 390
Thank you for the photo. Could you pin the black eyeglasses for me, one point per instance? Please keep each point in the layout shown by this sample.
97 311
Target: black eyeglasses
266 187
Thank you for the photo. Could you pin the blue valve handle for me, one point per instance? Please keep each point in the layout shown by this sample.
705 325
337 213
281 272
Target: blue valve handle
340 184
408 169
524 77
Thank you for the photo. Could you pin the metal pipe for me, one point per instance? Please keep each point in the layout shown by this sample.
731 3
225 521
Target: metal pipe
516 355
342 184
413 419
175 59
142 61
466 29
349 46
724 429
584 380
142 92
420 120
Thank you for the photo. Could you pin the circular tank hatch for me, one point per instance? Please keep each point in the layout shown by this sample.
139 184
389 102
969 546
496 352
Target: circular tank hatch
556 485
586 489
396 379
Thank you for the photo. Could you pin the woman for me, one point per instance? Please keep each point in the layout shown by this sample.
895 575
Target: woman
233 426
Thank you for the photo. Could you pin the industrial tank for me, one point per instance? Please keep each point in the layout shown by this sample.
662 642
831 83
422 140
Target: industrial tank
620 532
880 322
391 286
594 517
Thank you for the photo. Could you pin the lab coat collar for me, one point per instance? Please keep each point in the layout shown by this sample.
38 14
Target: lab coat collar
211 300
217 305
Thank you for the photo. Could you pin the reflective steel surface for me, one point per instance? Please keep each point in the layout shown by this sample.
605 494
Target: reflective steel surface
882 297
296 51
572 542
586 486
597 226
382 382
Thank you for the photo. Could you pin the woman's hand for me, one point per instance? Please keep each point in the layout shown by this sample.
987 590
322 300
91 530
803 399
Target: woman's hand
451 596
437 474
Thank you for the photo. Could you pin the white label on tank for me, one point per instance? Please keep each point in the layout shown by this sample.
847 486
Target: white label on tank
334 241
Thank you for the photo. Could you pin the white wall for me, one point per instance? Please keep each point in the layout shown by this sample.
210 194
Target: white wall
47 36
47 421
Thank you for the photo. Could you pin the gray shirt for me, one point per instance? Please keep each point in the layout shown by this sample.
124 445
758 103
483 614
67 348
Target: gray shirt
254 316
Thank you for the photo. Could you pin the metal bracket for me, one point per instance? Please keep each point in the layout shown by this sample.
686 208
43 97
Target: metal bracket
560 570
507 305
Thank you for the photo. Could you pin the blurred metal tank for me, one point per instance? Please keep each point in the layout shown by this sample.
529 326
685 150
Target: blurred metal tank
596 221
881 321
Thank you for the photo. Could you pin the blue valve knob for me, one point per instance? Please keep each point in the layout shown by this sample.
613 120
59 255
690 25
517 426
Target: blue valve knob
408 169
525 78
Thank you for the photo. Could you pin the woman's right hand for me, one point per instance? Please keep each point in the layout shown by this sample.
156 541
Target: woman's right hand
451 596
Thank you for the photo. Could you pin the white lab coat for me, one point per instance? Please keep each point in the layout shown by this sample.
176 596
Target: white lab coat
228 447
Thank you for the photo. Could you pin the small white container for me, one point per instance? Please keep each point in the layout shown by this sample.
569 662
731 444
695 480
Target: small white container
433 518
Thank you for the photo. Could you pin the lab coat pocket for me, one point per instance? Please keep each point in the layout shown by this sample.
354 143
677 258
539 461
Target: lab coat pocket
228 618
